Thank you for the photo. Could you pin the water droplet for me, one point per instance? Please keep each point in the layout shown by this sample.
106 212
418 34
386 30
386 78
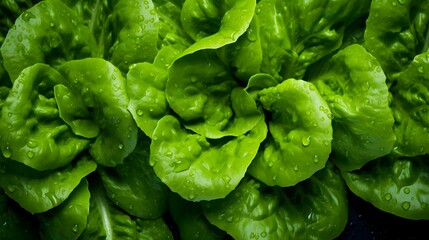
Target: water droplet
191 196
406 190
274 178
7 152
296 168
32 144
402 2
131 207
121 146
139 112
52 24
226 179
251 35
365 87
12 188
405 205
155 137
75 228
394 4
420 70
387 196
181 165
230 219
316 158
30 154
326 142
306 141
270 164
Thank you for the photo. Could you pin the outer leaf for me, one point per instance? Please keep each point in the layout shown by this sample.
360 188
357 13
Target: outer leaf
313 209
196 168
43 35
31 130
133 185
214 24
103 92
68 220
191 222
355 88
105 221
397 185
300 136
396 32
39 192
411 108
295 34
16 222
155 229
202 92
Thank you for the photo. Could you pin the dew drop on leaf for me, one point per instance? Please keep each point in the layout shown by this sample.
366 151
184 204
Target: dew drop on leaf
405 205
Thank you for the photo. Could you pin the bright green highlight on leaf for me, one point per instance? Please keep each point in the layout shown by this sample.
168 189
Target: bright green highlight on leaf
202 92
32 132
300 134
354 86
102 90
197 168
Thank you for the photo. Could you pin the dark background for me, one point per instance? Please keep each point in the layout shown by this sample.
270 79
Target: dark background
367 222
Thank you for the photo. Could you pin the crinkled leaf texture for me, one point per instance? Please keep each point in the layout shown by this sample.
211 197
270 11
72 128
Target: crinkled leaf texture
37 191
397 32
295 34
397 185
300 133
313 209
411 108
31 130
354 86
205 95
146 90
197 168
101 89
49 32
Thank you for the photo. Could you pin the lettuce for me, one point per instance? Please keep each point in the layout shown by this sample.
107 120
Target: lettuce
245 119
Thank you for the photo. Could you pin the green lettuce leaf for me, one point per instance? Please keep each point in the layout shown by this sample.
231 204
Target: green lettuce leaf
313 209
31 130
102 90
68 220
190 220
49 32
354 86
204 94
40 191
134 186
396 32
214 24
397 185
411 108
295 34
300 133
197 168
